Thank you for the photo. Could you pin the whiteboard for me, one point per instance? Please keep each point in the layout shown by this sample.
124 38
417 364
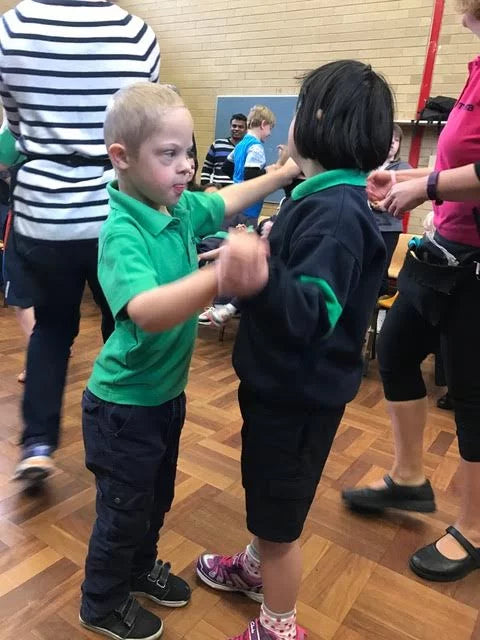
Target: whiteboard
282 106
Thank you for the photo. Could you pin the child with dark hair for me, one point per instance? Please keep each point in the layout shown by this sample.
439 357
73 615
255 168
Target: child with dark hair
298 348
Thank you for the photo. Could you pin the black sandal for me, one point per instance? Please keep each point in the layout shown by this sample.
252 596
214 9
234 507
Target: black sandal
393 496
430 564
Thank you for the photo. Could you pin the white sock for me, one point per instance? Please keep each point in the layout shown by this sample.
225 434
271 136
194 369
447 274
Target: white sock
230 307
283 625
251 562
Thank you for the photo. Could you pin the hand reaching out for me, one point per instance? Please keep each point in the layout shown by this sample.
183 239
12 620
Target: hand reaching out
283 154
405 196
379 184
242 265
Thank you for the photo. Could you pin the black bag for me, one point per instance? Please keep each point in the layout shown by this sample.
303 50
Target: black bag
437 109
429 286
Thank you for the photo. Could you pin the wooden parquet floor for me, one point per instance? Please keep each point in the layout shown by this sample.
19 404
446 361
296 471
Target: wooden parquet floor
356 583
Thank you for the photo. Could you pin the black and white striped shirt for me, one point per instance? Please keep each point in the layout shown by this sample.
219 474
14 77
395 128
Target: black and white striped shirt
60 63
212 171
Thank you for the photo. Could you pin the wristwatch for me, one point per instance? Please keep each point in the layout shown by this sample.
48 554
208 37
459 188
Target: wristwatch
432 182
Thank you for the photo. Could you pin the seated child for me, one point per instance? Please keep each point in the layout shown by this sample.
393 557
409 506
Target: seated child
222 311
134 404
298 351
219 314
390 227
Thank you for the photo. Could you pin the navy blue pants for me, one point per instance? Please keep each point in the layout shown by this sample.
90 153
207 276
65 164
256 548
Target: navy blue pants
52 276
133 453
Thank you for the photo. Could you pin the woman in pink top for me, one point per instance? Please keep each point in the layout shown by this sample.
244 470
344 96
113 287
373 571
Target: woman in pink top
438 302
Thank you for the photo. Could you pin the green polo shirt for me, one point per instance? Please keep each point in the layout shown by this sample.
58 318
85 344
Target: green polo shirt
8 151
141 248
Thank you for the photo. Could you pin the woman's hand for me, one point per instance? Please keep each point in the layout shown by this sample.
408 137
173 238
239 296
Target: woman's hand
379 184
405 196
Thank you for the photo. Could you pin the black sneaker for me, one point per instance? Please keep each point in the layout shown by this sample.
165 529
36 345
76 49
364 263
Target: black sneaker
131 621
162 587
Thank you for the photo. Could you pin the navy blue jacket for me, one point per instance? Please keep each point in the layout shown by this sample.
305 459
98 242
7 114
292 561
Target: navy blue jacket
300 339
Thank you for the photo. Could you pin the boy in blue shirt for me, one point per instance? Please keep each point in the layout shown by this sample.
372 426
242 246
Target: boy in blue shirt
248 159
134 404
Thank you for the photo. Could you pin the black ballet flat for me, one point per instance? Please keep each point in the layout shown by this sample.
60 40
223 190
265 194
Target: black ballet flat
393 496
430 564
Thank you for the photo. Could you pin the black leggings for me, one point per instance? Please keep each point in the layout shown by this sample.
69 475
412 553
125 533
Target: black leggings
390 239
407 338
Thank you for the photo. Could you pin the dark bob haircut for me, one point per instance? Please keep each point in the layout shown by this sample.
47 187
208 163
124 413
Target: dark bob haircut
344 116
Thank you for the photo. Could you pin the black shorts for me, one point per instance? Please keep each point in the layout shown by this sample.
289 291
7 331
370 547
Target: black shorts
284 450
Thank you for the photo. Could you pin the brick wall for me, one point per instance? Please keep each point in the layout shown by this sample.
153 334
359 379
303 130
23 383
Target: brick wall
212 47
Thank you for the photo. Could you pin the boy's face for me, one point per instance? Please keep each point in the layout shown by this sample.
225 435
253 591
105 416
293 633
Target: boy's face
265 130
394 146
160 172
470 22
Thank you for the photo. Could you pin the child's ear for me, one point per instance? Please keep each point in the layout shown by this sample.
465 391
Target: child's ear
118 156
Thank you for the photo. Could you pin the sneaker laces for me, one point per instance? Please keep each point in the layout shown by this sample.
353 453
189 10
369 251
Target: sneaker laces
231 562
159 574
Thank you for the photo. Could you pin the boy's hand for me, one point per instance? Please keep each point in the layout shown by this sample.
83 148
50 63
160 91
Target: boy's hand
283 154
242 266
291 170
379 184
209 255
271 167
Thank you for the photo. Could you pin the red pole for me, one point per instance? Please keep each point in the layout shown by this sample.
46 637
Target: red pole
425 87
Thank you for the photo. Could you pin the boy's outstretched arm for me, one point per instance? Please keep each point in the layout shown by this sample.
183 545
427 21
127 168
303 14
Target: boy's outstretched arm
171 304
166 306
240 196
130 284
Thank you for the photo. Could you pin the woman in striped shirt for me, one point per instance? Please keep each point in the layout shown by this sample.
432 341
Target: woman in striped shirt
60 63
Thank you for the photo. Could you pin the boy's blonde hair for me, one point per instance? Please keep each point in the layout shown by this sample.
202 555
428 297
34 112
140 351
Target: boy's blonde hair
469 6
135 113
258 114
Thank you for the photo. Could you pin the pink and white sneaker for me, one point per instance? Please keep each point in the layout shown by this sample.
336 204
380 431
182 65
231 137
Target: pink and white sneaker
226 573
256 631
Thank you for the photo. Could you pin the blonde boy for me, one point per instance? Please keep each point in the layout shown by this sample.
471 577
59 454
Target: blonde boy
134 404
248 159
